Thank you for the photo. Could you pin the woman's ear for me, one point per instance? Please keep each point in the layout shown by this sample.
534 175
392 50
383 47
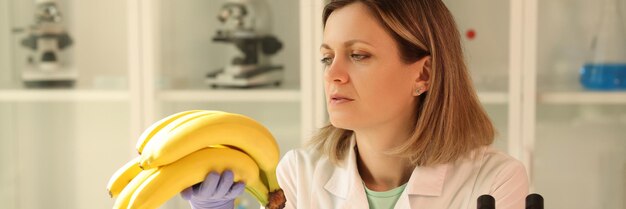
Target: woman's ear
422 68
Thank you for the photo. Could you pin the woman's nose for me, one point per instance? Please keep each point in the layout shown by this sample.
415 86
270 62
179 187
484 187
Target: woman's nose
337 72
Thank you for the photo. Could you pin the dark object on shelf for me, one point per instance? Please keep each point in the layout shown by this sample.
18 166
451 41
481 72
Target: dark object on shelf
59 84
534 201
486 202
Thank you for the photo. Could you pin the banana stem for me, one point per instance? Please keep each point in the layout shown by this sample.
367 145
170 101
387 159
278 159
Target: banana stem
277 200
271 180
270 199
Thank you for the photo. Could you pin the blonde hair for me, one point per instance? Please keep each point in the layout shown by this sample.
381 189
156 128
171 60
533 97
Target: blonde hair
451 122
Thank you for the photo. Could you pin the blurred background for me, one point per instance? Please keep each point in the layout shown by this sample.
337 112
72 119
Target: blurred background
80 81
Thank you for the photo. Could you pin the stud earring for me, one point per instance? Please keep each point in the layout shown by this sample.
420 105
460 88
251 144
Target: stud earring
418 91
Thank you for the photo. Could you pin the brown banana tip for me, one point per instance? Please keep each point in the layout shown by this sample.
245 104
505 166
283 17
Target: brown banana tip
277 200
110 193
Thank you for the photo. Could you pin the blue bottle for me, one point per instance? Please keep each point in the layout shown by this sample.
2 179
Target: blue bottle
607 69
603 76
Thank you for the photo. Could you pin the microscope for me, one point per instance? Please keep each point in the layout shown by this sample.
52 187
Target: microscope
47 39
247 25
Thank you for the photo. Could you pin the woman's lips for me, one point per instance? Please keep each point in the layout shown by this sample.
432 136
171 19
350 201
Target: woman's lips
340 100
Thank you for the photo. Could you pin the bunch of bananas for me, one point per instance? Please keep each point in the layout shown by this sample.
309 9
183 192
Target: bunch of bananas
180 150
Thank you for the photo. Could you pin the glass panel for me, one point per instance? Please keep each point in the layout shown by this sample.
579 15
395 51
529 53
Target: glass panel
499 117
191 48
77 44
6 73
566 31
580 155
580 151
484 28
8 157
61 155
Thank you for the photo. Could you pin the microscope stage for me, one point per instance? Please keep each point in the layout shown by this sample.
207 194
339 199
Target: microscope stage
33 75
273 77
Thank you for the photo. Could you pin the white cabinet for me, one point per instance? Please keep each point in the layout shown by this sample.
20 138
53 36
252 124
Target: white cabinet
59 146
141 60
572 140
137 61
577 150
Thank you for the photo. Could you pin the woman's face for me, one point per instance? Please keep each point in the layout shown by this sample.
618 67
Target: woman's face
366 83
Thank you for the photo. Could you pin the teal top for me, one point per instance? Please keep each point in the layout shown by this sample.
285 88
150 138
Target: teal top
383 200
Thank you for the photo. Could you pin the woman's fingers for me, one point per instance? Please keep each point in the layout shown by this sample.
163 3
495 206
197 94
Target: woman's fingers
235 190
209 186
225 182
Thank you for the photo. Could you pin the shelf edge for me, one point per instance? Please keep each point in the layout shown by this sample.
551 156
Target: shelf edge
229 96
54 95
493 97
609 98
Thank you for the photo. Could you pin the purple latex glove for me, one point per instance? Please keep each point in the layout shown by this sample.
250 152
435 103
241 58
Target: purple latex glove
216 192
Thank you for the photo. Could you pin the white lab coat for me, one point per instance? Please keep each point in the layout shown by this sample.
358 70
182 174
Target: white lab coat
310 180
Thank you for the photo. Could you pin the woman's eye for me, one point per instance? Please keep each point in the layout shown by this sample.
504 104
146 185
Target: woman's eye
327 60
359 57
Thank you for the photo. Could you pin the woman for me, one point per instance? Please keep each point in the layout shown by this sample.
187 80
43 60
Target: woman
406 128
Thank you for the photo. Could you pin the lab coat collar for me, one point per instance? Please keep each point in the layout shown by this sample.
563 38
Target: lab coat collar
345 180
427 181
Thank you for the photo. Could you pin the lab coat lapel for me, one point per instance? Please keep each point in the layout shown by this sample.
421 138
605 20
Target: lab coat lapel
424 181
346 183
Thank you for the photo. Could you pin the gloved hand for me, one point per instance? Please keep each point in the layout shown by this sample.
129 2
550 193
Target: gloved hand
216 192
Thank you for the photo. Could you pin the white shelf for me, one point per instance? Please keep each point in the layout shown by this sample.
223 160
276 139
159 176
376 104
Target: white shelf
273 96
609 98
236 95
54 95
493 97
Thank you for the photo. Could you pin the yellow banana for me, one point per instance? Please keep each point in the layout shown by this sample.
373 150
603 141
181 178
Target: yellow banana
163 131
223 128
124 197
155 127
122 176
171 179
